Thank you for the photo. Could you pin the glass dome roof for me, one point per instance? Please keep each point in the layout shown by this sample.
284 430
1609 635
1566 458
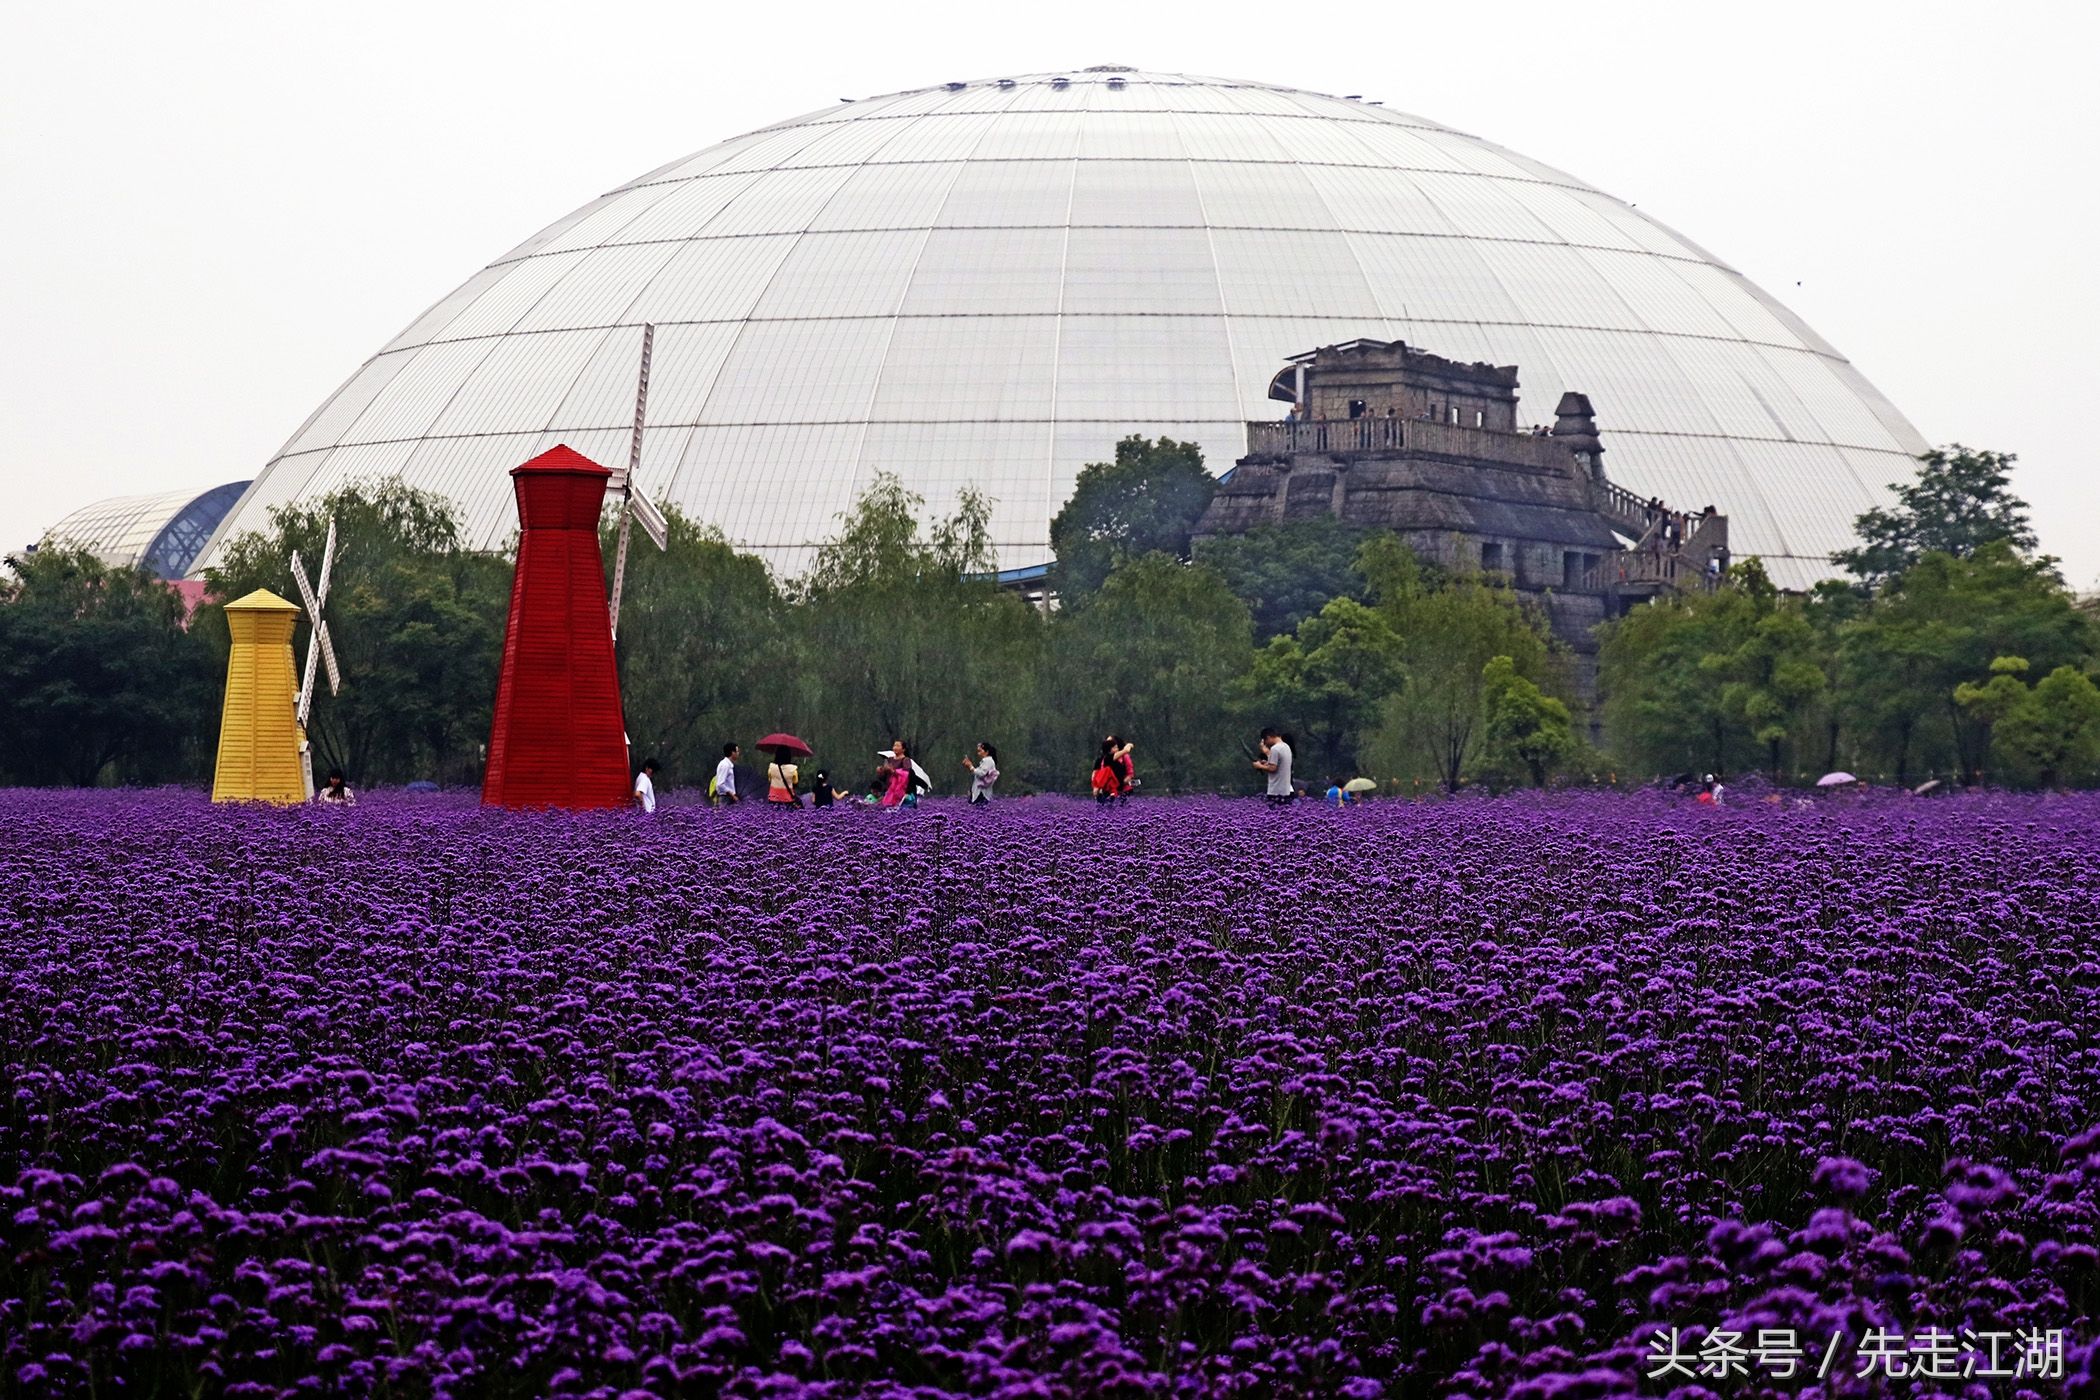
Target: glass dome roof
988 283
165 533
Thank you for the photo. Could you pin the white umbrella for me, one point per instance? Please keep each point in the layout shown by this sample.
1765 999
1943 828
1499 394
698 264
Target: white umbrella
1835 780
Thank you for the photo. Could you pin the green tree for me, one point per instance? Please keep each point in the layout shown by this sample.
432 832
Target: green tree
1661 712
2049 727
1942 622
903 636
1767 666
1158 655
1285 573
1449 629
1148 499
1327 682
416 617
1526 728
1831 606
2059 726
707 650
1989 702
99 675
1961 501
1717 680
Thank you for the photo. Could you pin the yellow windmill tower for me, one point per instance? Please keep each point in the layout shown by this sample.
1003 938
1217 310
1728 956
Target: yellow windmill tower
263 754
259 738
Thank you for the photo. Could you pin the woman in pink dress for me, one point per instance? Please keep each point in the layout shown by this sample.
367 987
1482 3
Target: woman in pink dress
900 783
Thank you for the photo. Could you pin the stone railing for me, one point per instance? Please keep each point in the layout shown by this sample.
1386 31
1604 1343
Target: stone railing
1626 510
1334 437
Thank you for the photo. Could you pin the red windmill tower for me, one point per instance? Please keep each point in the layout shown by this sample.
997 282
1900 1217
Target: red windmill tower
558 739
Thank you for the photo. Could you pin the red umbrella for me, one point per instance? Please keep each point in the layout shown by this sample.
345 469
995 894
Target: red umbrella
785 742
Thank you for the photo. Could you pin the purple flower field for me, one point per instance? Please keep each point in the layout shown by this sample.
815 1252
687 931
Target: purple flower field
1187 1098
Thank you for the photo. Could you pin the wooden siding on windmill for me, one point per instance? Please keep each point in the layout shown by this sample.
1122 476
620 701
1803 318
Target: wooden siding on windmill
258 726
558 738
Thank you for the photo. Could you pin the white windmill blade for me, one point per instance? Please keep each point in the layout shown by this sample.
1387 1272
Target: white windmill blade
649 517
306 590
305 702
327 565
335 675
327 643
305 705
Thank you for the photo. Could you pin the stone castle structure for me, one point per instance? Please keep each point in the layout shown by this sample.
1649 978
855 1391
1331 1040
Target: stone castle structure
1388 436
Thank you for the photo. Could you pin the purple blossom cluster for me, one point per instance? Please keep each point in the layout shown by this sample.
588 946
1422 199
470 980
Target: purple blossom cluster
1185 1098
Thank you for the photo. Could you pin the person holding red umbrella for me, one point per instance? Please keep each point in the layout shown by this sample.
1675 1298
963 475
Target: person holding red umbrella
781 774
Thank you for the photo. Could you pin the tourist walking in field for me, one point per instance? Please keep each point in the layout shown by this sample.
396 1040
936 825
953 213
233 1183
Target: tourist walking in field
984 772
723 788
645 785
335 792
1275 761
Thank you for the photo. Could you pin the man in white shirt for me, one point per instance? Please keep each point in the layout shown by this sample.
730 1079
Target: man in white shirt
725 775
1275 760
645 786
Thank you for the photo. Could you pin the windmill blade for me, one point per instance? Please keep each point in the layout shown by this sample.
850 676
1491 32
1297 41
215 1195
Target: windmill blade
335 675
327 566
623 482
649 518
306 590
304 706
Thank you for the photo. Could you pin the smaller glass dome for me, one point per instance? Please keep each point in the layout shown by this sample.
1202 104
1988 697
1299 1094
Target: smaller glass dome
164 532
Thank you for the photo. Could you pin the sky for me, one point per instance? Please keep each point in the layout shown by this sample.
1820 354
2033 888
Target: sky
215 211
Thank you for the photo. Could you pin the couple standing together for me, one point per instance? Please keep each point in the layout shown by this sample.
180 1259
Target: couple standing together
1115 774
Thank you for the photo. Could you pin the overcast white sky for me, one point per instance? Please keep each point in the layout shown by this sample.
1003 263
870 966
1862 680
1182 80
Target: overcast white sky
215 211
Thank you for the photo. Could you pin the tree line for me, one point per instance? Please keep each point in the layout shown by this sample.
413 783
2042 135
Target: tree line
1953 649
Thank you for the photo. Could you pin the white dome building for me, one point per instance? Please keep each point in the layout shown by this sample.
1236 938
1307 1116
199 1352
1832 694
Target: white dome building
989 283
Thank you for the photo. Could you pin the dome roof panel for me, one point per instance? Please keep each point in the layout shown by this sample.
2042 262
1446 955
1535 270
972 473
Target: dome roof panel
1403 148
842 274
520 381
1567 219
686 360
1284 272
713 279
893 197
686 210
1377 201
991 284
1112 194
608 221
805 370
413 398
986 272
508 296
986 369
1259 194
1010 194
